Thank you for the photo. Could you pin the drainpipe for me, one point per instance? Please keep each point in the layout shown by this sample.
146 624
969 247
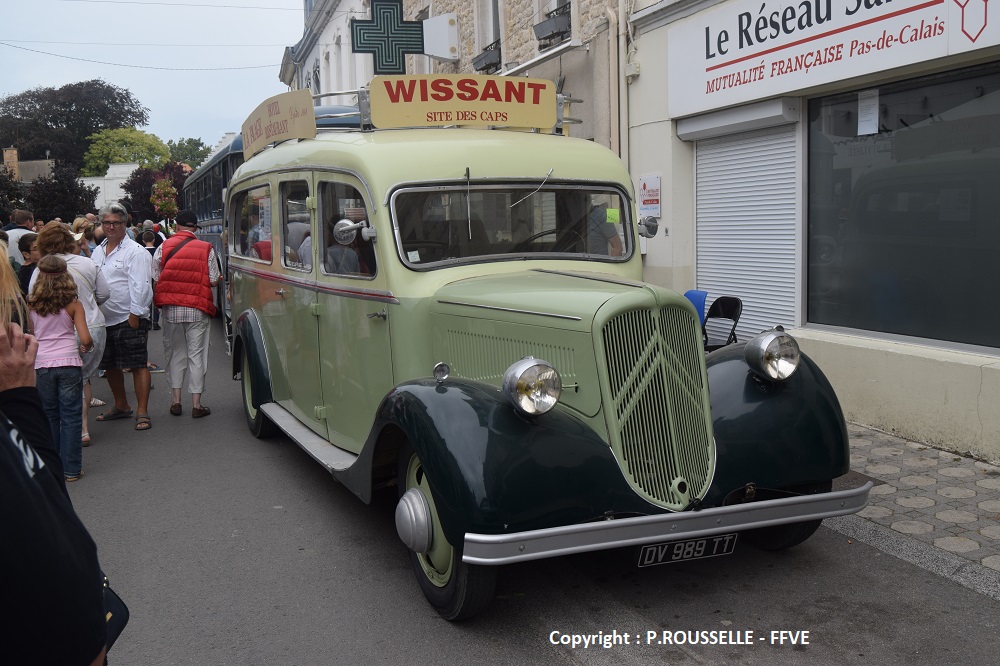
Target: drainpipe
621 83
614 79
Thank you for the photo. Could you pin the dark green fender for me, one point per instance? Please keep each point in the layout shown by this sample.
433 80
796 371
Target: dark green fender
775 435
492 471
247 335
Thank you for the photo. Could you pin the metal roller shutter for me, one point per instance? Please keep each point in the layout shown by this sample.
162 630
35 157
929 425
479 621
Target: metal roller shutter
747 189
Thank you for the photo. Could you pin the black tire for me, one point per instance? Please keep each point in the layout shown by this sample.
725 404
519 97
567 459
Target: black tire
781 537
457 591
260 426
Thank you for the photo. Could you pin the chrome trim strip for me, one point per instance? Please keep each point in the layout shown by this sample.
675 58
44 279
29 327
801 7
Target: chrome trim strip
593 276
358 292
493 549
494 307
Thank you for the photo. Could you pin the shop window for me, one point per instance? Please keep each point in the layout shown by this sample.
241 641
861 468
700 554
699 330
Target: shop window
903 227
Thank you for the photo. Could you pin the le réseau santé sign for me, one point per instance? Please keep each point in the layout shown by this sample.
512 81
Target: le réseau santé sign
755 49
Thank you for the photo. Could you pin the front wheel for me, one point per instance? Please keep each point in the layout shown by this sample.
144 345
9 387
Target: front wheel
456 590
260 426
780 537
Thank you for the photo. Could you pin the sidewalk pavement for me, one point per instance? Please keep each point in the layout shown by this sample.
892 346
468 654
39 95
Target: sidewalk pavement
943 499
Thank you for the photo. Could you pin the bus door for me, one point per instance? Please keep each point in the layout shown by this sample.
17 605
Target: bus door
294 325
355 360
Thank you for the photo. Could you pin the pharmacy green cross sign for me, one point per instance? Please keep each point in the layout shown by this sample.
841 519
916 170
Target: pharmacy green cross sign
387 36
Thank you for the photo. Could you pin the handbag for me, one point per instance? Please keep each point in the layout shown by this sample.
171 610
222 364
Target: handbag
116 612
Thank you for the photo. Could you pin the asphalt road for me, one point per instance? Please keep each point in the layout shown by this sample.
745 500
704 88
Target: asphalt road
232 550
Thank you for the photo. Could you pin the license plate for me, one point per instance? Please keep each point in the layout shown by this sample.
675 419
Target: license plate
684 551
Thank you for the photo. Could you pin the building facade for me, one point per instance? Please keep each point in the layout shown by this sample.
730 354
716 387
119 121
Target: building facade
835 164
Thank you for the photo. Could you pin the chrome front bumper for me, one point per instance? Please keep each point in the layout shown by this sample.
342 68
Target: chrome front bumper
493 549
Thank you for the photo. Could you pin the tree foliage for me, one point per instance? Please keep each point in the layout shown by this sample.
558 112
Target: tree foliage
164 198
123 145
11 196
61 119
189 151
62 194
139 187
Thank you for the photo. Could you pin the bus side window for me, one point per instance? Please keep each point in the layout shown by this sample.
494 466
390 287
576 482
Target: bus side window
296 225
343 202
253 228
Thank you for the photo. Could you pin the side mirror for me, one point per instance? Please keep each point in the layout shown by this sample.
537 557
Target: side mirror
345 231
648 226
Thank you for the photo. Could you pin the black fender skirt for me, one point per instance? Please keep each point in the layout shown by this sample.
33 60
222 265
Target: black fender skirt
773 434
492 471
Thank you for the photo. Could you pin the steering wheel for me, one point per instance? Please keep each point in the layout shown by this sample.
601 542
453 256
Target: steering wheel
561 242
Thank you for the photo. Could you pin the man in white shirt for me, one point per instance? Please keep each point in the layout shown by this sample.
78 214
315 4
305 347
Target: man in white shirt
127 268
24 222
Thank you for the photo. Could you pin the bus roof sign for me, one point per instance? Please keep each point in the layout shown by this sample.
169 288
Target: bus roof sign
286 116
431 100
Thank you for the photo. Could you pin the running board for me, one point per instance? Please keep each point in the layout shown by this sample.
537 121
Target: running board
322 451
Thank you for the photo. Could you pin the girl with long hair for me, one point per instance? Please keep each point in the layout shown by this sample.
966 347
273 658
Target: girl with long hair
58 319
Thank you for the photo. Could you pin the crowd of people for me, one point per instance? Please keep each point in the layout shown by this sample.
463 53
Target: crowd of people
78 302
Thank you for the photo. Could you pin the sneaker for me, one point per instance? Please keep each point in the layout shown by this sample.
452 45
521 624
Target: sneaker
76 477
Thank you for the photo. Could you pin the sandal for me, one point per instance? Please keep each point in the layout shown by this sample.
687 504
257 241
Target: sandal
114 414
143 422
85 440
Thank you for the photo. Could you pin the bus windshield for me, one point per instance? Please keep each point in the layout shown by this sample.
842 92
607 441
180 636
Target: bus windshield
436 225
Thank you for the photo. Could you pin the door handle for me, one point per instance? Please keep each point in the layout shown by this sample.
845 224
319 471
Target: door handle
280 292
381 314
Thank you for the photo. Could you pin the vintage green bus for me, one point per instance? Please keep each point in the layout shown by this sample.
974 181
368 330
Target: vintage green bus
458 312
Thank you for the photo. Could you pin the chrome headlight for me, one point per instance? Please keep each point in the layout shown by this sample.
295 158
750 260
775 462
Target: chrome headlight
532 386
773 355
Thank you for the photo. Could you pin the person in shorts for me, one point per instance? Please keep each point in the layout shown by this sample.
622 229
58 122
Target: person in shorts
127 268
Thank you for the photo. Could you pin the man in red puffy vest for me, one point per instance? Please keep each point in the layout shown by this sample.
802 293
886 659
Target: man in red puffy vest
186 270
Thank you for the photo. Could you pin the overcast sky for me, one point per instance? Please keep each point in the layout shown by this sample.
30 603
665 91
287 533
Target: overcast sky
49 43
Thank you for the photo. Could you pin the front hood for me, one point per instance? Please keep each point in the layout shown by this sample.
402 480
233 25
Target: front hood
483 325
553 299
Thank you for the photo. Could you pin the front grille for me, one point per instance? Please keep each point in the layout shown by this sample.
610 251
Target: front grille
487 357
657 413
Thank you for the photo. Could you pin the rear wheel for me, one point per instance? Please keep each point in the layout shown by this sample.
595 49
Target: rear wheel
456 590
780 537
260 426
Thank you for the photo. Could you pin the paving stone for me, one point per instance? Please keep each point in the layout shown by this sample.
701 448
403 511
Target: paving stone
916 502
882 469
987 468
955 492
992 484
920 461
912 527
919 480
860 441
858 460
992 506
957 544
883 489
887 451
948 455
993 562
992 532
875 512
953 516
956 472
917 446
